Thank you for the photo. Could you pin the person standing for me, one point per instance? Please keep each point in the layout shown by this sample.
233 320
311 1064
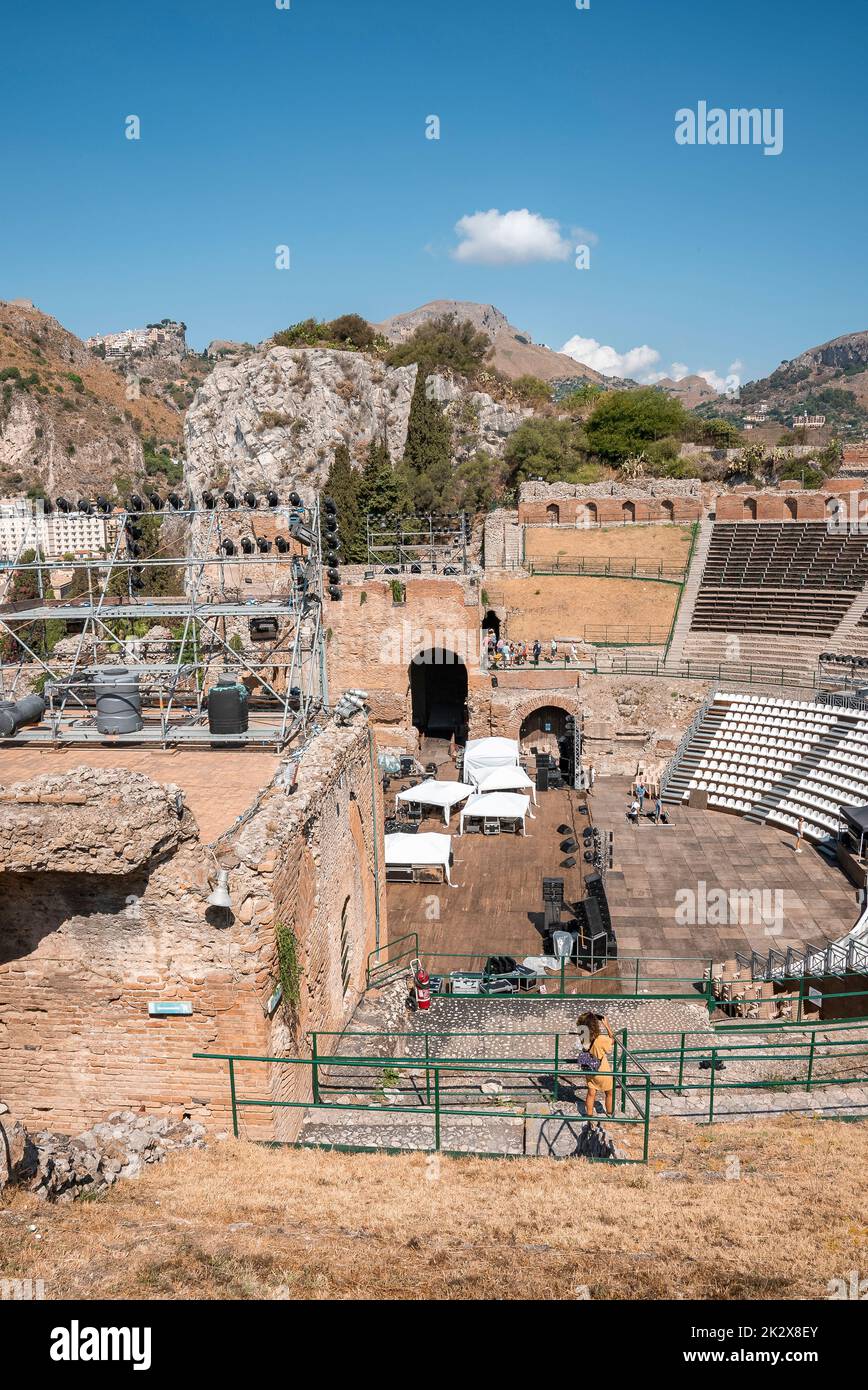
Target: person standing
641 793
800 833
600 1045
537 650
658 809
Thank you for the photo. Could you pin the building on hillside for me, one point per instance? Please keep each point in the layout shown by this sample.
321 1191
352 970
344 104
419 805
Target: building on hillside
24 525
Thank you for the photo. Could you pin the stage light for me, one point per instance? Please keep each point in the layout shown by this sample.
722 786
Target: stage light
227 547
104 504
272 499
250 499
263 544
62 504
85 506
282 544
209 501
295 500
230 499
247 545
156 501
174 501
136 503
301 533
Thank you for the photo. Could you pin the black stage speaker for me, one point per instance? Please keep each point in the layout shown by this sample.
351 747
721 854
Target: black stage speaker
553 890
542 778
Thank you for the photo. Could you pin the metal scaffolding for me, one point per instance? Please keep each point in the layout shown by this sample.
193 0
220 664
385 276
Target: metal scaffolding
418 544
273 641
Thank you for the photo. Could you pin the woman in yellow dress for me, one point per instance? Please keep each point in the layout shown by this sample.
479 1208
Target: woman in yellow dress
601 1041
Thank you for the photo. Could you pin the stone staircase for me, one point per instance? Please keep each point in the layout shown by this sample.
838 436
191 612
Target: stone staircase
690 591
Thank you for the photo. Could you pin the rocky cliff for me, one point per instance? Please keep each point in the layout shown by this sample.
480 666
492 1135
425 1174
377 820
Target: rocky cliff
67 423
276 417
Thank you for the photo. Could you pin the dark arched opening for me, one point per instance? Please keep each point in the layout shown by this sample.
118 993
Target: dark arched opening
629 511
791 507
542 728
551 730
553 514
667 509
438 689
491 623
750 508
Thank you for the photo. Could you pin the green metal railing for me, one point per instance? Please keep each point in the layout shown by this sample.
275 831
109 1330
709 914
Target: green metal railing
631 974
607 567
637 1076
433 1106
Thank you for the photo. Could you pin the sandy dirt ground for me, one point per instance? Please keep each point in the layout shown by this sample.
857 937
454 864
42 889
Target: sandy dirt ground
566 606
669 545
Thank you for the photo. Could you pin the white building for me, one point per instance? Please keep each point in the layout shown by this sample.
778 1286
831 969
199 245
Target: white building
25 526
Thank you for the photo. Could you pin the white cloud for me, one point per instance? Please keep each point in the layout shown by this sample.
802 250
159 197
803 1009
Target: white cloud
608 360
509 238
636 361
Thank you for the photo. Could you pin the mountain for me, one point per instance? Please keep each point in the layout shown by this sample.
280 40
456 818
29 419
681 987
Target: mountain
830 380
67 422
689 390
514 352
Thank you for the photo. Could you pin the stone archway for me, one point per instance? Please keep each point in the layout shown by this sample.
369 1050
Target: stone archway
543 728
438 692
553 514
628 510
750 508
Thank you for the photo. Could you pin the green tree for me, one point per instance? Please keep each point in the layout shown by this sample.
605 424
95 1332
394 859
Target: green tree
623 422
351 329
428 451
380 490
532 389
555 450
443 343
343 486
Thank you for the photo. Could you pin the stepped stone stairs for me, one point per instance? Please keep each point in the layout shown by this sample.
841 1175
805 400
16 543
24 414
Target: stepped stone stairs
690 591
496 1040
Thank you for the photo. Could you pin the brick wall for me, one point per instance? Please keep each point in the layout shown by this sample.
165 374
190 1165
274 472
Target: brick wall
584 511
82 955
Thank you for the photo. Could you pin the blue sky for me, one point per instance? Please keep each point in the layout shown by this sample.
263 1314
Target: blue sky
306 127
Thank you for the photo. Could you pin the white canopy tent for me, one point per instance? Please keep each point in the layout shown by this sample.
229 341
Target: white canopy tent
508 779
483 755
419 851
497 806
434 793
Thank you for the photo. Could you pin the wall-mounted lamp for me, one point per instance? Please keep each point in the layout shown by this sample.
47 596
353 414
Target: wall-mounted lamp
220 896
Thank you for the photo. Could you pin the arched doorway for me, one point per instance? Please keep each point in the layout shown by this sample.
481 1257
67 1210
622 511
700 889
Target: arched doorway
791 507
543 730
591 515
553 514
629 511
438 690
667 510
750 508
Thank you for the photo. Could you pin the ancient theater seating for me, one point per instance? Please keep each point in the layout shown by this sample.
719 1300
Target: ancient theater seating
775 760
784 578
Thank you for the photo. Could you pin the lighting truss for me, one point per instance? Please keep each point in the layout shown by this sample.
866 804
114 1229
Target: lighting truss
288 679
418 544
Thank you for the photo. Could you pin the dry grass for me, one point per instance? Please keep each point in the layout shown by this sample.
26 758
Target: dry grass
563 606
669 545
238 1221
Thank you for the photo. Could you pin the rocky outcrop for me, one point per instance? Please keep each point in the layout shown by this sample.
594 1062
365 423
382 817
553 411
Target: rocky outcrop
275 419
58 1168
478 421
90 820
